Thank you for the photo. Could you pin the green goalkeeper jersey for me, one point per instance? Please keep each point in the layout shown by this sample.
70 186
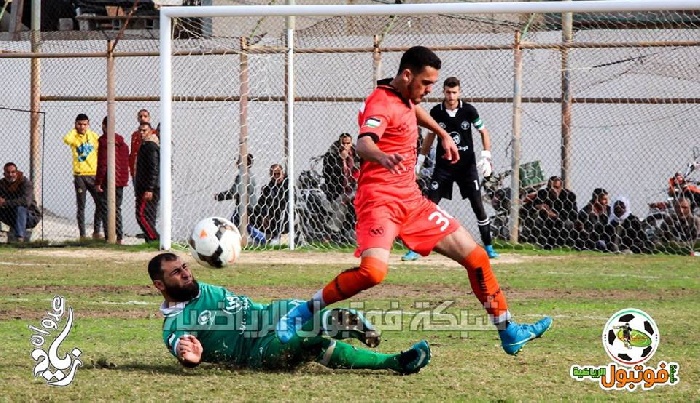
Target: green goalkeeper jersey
227 325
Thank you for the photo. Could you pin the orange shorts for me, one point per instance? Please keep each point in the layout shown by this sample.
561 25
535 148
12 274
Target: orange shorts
419 222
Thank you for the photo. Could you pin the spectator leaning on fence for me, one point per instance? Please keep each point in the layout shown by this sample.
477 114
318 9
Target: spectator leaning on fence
18 208
83 143
121 177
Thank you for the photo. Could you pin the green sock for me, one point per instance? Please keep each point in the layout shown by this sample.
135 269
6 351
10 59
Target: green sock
342 355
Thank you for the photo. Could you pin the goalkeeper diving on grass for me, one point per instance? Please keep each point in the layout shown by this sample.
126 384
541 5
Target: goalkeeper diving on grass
207 323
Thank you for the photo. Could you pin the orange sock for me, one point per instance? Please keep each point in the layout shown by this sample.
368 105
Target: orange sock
350 282
485 285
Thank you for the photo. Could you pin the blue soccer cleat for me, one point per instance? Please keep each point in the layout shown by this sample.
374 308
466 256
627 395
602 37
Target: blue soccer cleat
288 325
410 256
415 358
492 253
515 336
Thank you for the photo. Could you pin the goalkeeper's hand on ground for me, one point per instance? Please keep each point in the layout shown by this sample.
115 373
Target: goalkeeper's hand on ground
419 163
485 165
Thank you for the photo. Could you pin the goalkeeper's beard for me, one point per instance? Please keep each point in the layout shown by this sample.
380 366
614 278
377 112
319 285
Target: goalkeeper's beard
184 293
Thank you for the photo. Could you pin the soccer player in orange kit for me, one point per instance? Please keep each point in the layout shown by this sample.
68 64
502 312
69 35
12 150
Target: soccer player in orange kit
390 204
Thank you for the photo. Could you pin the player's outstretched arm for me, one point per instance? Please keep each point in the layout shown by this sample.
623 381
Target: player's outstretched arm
368 150
189 351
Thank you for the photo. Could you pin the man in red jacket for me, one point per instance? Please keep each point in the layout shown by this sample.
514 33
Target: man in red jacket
121 176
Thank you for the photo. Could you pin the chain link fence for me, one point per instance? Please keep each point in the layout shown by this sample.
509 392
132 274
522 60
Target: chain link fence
611 106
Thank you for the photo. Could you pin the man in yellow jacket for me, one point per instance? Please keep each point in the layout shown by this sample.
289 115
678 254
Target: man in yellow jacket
83 143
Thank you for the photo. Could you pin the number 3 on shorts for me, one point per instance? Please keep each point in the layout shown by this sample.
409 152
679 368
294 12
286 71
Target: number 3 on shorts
441 218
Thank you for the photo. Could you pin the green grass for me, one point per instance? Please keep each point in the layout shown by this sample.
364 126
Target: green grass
118 329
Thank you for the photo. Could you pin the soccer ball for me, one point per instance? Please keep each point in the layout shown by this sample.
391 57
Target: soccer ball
630 337
215 242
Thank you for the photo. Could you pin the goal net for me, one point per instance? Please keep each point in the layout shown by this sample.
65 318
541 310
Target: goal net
599 94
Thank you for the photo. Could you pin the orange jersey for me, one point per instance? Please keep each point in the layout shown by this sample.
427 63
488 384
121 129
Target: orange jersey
391 121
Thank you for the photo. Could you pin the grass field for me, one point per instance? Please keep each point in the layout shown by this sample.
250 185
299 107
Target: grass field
118 328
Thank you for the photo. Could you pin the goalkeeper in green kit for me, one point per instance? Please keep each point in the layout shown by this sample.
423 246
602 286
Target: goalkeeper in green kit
207 323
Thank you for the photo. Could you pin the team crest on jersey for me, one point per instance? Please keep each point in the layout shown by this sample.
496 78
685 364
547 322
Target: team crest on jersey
465 125
442 124
205 318
372 122
434 185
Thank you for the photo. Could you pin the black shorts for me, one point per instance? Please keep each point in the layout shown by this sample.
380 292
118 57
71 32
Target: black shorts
466 178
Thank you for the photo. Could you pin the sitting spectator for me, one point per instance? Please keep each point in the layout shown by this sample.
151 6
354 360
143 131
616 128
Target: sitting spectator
625 232
271 210
557 213
679 187
681 225
340 173
593 218
235 192
18 208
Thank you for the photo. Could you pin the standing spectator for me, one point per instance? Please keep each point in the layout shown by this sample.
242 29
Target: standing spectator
557 211
146 182
83 143
17 205
625 232
340 171
143 116
121 177
593 218
271 209
681 225
458 118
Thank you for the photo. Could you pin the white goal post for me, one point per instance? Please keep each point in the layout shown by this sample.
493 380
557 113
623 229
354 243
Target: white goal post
168 13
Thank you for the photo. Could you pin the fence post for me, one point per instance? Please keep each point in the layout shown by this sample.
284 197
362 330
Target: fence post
566 99
35 169
515 165
243 173
111 191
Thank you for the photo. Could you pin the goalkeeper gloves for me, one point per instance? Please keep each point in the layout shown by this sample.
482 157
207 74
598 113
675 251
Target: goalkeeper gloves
419 163
485 165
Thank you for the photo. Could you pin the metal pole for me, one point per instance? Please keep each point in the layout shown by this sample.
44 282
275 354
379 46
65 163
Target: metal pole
566 100
377 60
166 109
289 74
110 231
515 164
243 173
35 170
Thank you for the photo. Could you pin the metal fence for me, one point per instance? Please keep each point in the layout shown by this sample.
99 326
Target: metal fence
611 104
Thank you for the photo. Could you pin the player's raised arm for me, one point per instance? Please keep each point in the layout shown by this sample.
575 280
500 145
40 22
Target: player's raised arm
368 151
426 121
